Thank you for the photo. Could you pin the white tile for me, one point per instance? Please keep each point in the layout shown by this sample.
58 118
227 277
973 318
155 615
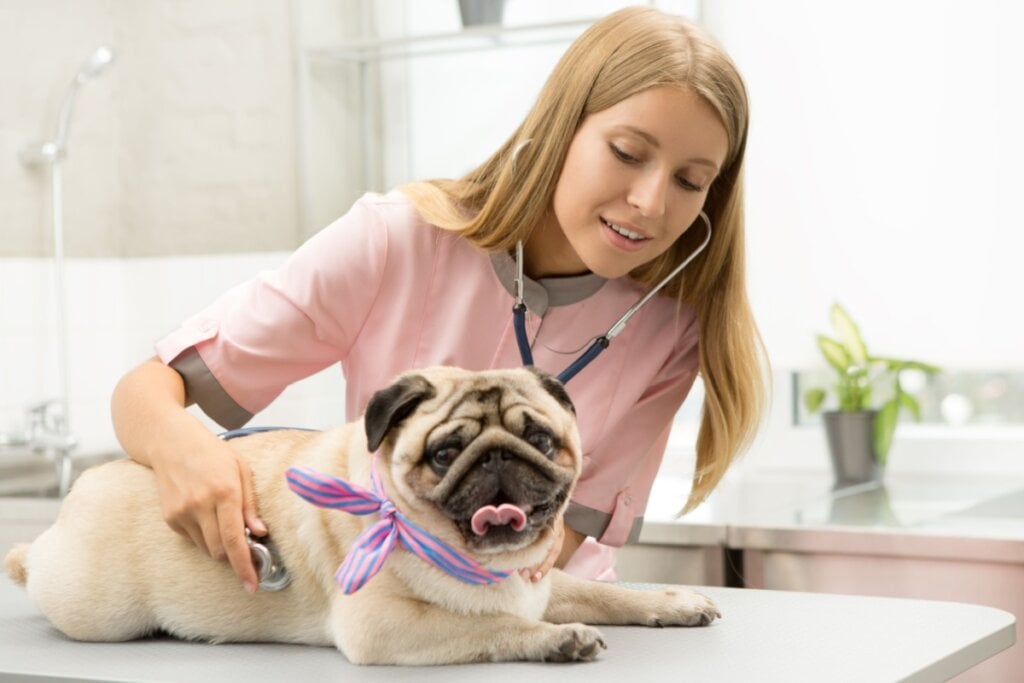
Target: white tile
91 424
95 299
95 363
25 292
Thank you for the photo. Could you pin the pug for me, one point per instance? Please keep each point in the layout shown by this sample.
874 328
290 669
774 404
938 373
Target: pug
480 464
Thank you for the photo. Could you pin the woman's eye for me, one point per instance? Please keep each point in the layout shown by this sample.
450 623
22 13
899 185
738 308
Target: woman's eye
542 441
687 185
623 155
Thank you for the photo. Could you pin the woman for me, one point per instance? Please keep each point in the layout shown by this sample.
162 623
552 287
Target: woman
629 161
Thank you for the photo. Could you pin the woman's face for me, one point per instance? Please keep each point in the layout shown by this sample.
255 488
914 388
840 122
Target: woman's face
635 178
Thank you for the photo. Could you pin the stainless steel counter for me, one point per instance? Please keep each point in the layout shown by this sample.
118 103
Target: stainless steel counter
926 515
927 536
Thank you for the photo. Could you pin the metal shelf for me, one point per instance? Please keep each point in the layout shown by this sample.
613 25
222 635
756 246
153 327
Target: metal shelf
475 38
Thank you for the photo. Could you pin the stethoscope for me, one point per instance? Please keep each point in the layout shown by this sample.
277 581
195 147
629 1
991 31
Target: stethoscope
602 342
273 575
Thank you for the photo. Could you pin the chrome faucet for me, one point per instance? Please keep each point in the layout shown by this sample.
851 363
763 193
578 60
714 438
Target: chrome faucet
47 429
46 433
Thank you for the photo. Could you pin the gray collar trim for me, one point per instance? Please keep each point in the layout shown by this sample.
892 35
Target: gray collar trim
550 291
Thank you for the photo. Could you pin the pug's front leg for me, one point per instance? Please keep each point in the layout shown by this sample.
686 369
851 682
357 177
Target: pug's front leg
394 629
596 602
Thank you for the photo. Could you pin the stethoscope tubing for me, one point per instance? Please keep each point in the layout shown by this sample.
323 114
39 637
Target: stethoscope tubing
602 342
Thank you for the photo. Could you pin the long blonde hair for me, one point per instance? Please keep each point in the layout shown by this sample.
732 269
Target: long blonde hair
496 205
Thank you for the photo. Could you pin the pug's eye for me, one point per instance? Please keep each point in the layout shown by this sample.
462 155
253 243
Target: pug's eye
443 457
542 441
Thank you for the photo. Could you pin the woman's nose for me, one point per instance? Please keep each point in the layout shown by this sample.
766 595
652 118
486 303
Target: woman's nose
647 194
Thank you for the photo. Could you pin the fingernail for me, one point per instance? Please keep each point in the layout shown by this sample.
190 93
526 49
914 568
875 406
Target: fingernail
537 577
250 587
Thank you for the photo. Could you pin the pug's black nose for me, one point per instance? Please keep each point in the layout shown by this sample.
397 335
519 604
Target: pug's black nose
493 461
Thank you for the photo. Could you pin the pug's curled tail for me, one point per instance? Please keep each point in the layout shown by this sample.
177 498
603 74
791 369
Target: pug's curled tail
15 563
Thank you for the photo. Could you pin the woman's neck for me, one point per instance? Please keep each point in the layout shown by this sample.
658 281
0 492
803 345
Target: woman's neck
547 253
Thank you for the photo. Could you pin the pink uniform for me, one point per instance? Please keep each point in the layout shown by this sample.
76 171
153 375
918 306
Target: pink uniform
382 292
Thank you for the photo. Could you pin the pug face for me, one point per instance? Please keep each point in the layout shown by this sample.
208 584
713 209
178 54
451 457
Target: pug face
494 454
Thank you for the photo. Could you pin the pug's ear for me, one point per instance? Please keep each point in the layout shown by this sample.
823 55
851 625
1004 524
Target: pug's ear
554 387
388 407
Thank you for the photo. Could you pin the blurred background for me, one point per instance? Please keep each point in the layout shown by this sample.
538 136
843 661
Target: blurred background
154 153
883 172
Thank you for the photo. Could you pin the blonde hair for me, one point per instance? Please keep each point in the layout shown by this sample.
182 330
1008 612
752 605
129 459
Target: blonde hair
496 205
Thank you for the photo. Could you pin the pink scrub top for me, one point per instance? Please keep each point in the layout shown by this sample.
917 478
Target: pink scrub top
381 292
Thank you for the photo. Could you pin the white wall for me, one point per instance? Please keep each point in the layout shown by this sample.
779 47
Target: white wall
884 171
185 144
117 308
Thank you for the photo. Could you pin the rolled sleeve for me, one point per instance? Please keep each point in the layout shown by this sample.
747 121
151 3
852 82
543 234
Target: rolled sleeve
203 389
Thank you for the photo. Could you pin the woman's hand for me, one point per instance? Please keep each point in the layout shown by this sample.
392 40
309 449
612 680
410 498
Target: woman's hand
566 542
209 499
205 488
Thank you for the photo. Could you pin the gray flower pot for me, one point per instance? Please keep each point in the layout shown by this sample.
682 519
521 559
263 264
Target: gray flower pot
851 444
477 12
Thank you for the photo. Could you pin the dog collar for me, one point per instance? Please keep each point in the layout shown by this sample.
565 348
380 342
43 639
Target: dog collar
372 547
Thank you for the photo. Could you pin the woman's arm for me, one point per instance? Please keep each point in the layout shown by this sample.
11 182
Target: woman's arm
206 492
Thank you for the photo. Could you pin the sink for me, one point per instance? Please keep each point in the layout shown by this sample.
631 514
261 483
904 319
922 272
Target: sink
24 474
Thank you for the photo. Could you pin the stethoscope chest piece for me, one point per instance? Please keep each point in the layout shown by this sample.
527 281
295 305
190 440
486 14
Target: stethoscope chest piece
273 575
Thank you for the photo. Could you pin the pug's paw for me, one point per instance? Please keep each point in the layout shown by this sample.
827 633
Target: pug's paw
679 607
573 643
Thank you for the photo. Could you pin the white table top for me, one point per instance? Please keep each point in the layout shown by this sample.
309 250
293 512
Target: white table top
764 636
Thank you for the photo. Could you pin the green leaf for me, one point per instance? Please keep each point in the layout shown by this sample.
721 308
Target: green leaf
911 404
849 335
813 398
885 427
835 353
895 364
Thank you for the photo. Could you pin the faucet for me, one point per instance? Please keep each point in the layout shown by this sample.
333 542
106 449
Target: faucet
47 433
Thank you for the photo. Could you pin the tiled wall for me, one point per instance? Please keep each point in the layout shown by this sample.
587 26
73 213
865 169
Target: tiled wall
184 145
116 309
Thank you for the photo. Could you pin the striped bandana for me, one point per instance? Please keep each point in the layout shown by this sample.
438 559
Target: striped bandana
373 546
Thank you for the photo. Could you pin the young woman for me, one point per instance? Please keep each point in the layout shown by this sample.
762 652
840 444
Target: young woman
628 163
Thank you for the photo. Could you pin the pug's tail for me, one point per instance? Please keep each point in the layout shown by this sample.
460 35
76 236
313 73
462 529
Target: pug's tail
14 563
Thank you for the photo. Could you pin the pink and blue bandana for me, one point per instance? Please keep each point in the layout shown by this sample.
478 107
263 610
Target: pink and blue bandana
372 547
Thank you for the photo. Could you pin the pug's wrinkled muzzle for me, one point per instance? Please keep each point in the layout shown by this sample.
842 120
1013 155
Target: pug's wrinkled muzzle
502 495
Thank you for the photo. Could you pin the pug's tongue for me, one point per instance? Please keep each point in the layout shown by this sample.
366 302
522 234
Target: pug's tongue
498 516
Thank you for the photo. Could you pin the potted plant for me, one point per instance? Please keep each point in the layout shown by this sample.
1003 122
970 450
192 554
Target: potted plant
869 399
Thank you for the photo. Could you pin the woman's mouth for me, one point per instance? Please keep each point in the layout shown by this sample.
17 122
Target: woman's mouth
624 238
